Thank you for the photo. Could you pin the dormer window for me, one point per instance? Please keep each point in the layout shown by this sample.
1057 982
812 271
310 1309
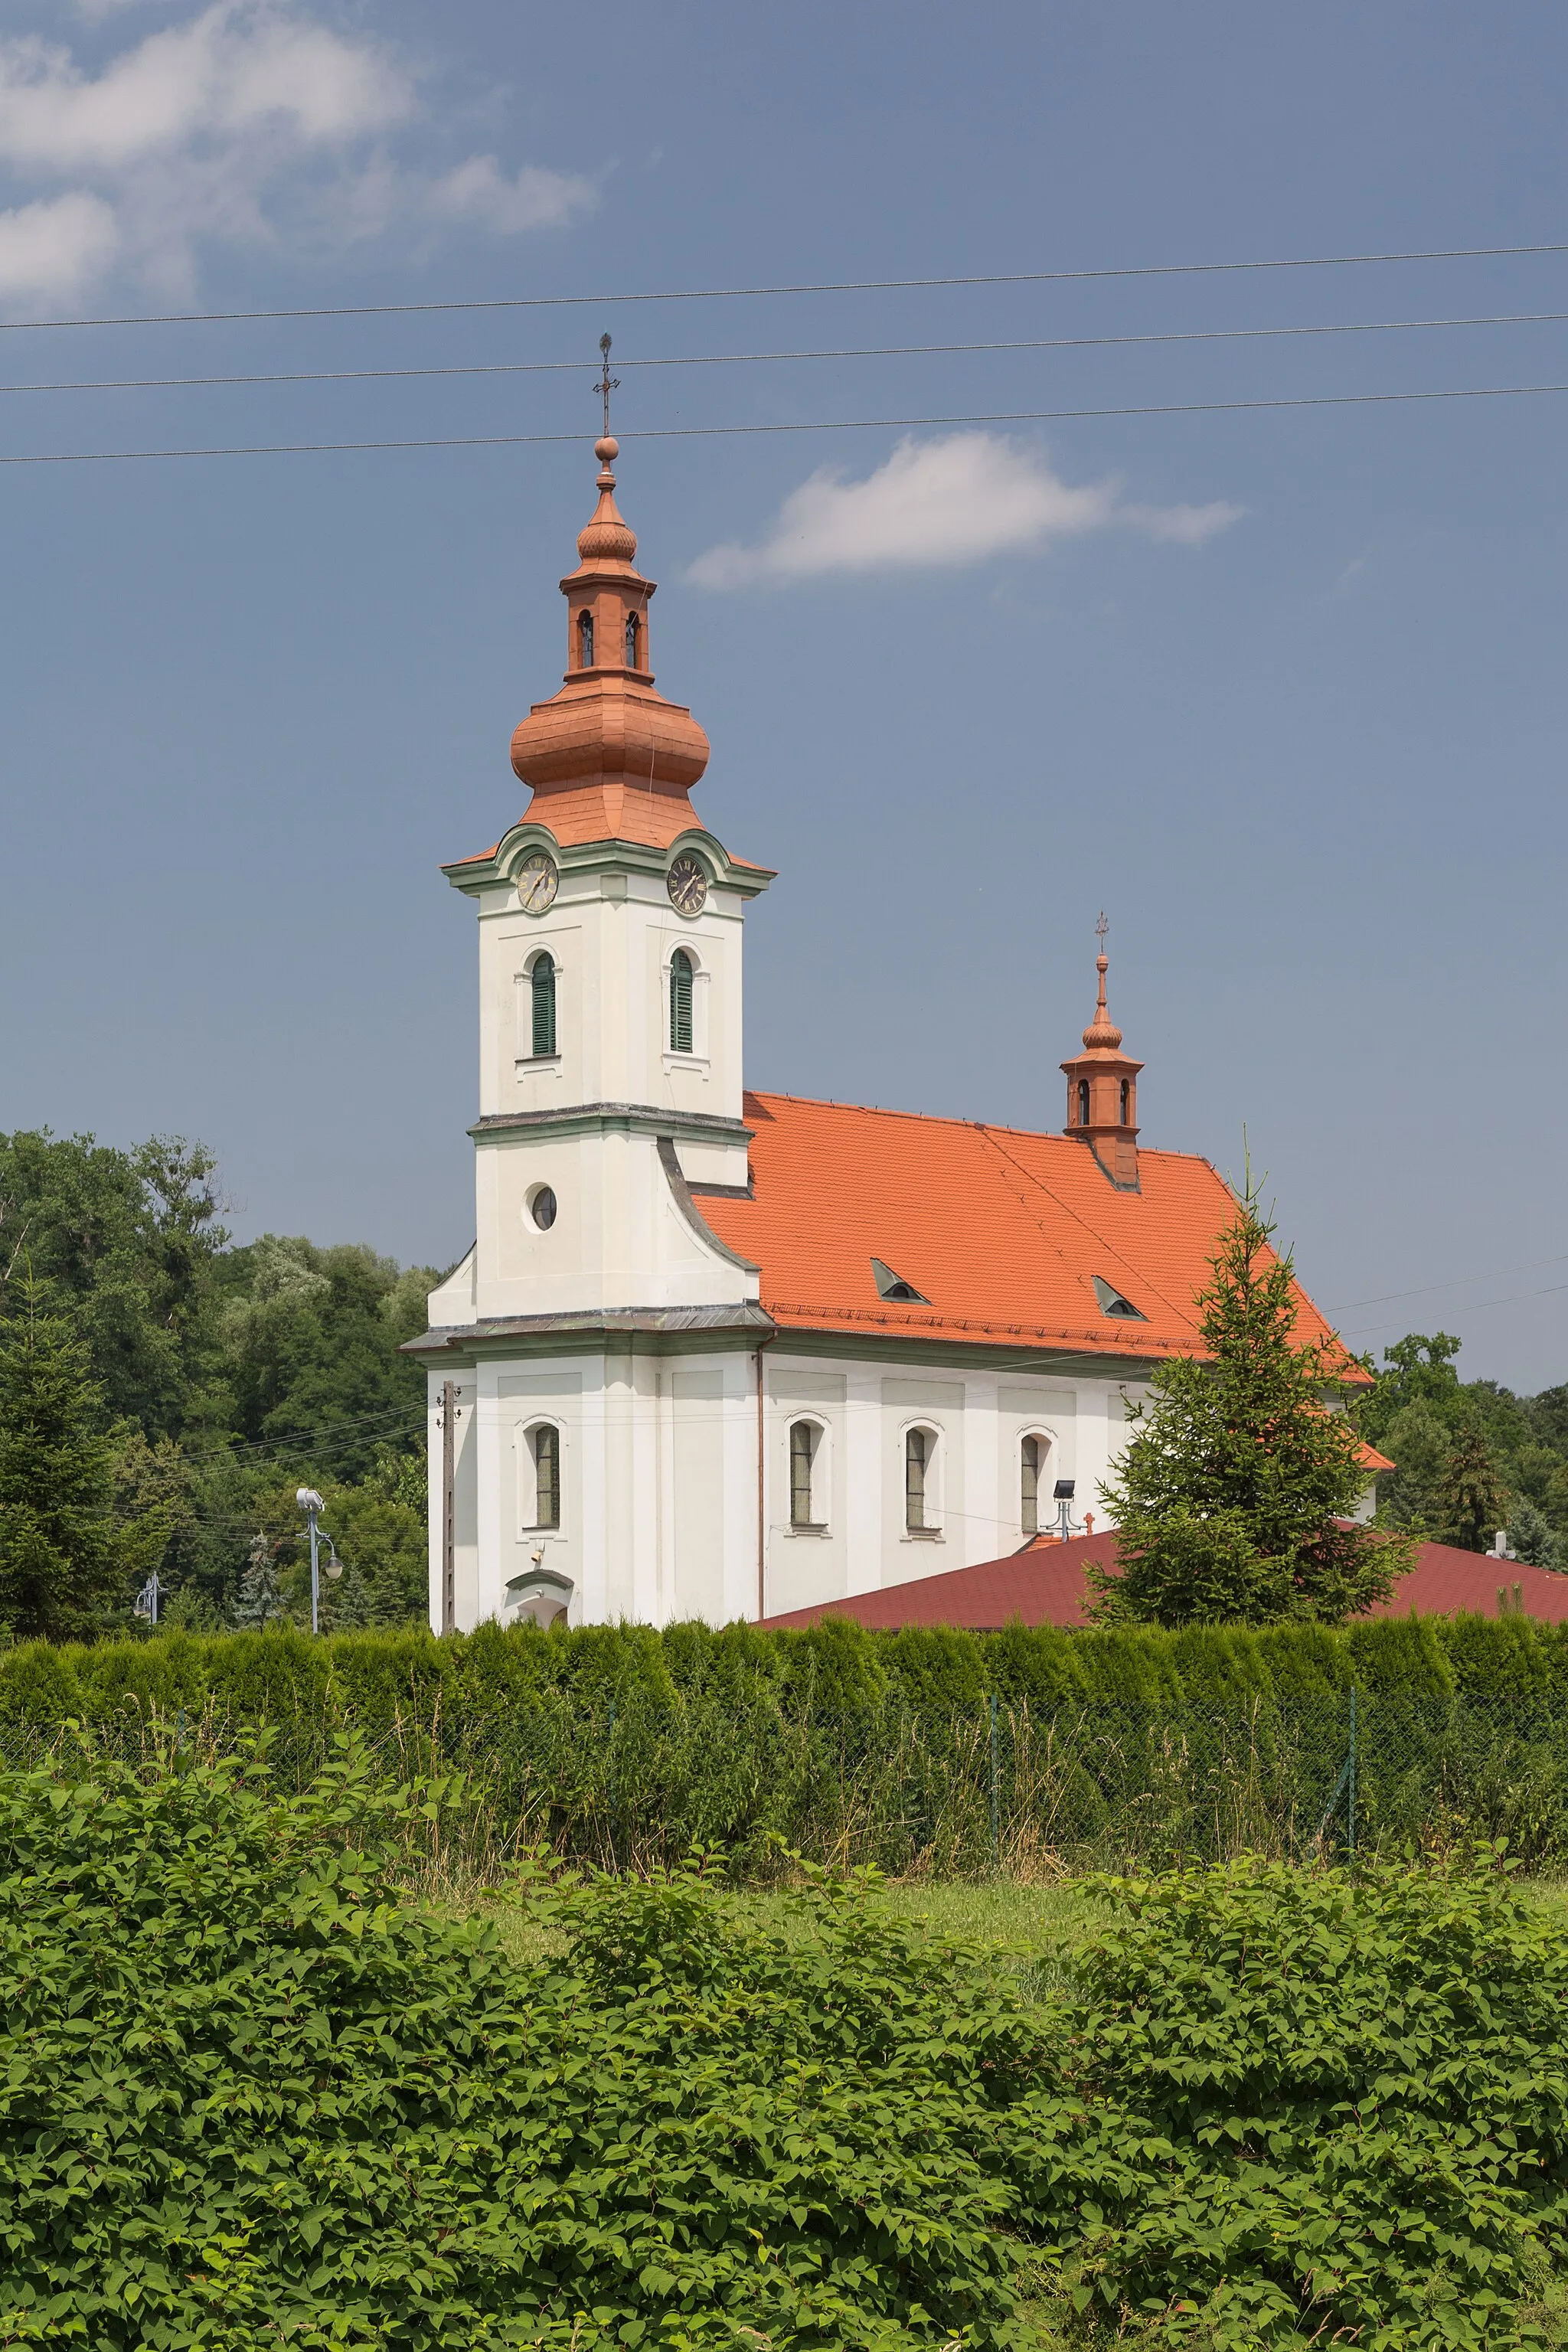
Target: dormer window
1111 1302
893 1286
633 633
1083 1102
585 641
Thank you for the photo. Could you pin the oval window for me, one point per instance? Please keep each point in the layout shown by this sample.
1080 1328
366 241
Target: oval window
543 1207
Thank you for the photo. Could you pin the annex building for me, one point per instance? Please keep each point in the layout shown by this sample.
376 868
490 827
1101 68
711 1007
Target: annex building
722 1353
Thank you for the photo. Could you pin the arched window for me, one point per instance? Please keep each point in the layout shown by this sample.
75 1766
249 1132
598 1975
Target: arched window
544 1443
804 1440
1029 1468
917 1462
542 981
633 631
1126 1102
585 641
1083 1102
680 1002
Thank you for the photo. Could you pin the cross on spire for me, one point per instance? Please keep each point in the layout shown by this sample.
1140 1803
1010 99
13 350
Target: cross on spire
1101 928
607 382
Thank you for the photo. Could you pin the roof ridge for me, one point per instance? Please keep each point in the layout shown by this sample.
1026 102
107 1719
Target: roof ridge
981 1126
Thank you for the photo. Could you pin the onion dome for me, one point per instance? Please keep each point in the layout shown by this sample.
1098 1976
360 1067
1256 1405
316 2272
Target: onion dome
609 758
1102 1029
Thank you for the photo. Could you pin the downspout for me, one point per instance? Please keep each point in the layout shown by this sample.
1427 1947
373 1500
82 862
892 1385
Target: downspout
761 1509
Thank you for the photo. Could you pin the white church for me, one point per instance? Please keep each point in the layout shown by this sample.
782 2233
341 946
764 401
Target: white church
718 1353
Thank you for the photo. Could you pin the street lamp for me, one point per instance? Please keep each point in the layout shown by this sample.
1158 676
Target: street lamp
311 1503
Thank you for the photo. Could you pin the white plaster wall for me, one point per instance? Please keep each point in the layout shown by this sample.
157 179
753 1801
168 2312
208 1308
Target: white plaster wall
619 1240
611 935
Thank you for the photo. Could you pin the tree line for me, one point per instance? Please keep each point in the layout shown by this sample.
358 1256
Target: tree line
164 1391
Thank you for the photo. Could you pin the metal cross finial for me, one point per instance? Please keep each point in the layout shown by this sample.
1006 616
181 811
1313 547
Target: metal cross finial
607 382
1101 928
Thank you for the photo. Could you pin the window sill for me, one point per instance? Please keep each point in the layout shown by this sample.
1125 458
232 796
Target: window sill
922 1534
698 1062
526 1062
809 1528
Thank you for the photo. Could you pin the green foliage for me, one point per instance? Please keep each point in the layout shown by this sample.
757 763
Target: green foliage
224 1377
1229 1497
255 2095
1468 1502
123 1244
1314 2108
60 1559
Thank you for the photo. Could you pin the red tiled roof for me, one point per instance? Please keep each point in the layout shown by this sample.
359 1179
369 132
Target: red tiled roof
1045 1585
1001 1231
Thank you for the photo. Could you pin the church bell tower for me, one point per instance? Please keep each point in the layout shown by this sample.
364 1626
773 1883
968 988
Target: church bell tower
610 981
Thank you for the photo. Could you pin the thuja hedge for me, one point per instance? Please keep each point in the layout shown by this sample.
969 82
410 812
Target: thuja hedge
378 1680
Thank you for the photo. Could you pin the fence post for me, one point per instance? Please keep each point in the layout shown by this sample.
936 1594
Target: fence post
1350 1793
996 1792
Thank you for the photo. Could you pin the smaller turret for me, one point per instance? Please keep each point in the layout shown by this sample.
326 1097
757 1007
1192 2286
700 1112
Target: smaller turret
1103 1090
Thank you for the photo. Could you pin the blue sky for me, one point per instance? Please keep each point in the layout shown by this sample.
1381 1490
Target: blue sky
1282 689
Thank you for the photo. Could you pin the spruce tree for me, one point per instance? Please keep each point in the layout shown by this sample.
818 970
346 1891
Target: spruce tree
1231 1500
1470 1502
61 1555
260 1603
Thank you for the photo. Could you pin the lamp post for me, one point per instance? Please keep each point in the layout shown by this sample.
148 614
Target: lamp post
1062 1496
311 1503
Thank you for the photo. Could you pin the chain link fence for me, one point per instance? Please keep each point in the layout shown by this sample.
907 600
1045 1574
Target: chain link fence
1097 1784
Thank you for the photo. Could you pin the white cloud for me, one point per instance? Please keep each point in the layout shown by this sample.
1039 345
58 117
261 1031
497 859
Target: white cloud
50 251
954 501
479 191
247 121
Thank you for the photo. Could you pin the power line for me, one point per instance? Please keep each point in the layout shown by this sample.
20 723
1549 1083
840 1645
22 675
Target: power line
827 286
1460 1282
1548 1290
821 425
754 359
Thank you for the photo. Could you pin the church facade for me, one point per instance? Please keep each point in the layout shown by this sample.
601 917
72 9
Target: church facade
718 1353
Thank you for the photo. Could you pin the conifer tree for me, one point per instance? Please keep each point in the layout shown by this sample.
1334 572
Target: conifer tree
259 1601
61 1555
1231 1500
1470 1502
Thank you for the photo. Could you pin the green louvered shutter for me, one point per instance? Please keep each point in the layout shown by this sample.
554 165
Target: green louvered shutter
544 1005
680 1002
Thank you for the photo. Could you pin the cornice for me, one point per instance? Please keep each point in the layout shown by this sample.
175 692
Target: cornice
595 1326
584 1118
614 855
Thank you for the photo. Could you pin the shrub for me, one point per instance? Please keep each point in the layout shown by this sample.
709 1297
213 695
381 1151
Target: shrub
1313 2106
254 2097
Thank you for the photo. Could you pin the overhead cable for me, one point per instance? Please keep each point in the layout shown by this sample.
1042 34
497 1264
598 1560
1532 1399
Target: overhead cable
1460 1282
821 425
756 359
824 286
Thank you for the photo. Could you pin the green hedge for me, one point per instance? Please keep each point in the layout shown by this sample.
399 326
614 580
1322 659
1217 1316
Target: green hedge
377 1679
925 1750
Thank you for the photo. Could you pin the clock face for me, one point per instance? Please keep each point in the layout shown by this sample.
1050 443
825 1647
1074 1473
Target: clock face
538 879
687 886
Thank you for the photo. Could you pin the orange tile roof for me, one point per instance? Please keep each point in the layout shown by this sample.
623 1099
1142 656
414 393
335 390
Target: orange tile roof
1001 1231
